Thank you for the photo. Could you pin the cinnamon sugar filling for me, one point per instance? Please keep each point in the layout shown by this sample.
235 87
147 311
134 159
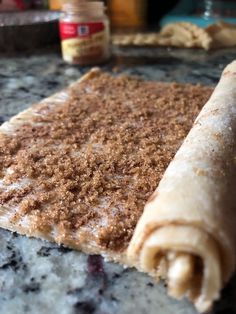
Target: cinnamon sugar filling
93 162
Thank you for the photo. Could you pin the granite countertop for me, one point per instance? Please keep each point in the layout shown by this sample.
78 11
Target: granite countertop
41 277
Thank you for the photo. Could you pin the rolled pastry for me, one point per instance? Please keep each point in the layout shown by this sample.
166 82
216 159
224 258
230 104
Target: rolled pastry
187 232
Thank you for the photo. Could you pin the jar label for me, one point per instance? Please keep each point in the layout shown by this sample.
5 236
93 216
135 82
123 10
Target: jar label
81 30
83 41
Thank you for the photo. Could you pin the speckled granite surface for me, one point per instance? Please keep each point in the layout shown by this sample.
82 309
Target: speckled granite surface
39 277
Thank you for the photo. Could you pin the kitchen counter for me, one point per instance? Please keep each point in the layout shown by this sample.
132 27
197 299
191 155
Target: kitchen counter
41 277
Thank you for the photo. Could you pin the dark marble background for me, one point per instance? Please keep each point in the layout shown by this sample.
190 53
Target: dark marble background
40 277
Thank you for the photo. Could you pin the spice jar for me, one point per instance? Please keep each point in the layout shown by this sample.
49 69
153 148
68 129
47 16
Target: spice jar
84 31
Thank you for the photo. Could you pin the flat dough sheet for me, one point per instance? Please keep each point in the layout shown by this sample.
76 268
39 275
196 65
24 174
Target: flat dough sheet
94 136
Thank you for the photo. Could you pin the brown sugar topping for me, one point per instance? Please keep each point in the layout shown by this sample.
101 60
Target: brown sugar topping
92 163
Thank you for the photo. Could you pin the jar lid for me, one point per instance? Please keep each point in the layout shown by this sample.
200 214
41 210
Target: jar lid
82 6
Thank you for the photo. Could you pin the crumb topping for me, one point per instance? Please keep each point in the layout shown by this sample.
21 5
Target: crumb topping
92 163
